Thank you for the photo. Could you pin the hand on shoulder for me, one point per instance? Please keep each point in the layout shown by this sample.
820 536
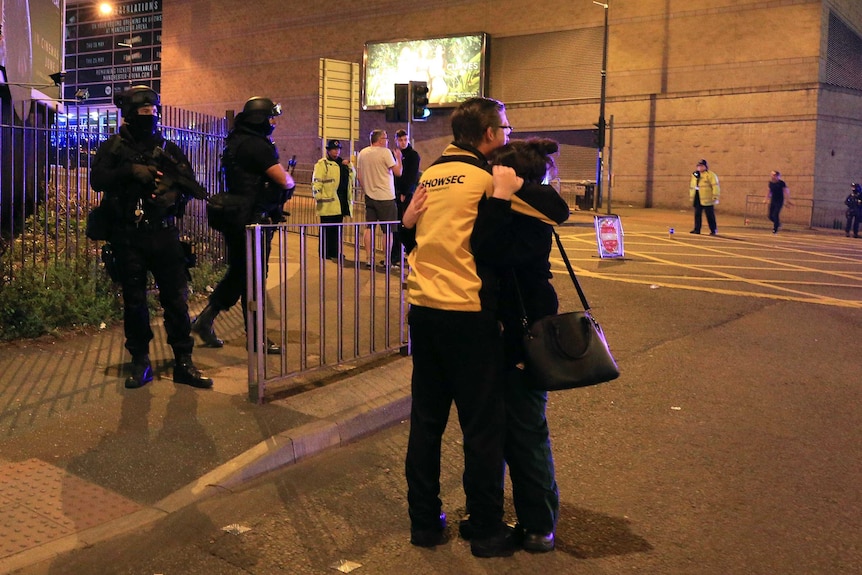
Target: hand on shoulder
506 182
415 208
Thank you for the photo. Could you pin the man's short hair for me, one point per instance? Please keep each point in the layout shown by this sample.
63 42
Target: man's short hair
473 117
375 135
400 133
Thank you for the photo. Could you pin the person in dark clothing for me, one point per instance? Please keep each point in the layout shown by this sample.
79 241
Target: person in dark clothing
141 205
251 169
405 185
519 245
778 197
854 210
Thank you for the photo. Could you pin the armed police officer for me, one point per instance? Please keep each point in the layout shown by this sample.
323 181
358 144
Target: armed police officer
252 170
147 182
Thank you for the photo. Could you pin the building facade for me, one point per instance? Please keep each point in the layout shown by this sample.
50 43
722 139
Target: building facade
751 85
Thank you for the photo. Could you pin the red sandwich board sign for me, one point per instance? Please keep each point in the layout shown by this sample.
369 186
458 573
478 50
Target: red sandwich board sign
609 236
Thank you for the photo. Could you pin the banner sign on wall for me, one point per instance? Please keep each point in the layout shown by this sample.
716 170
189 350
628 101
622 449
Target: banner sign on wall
609 236
109 53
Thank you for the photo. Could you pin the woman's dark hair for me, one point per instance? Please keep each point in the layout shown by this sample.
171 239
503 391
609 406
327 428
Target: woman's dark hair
531 158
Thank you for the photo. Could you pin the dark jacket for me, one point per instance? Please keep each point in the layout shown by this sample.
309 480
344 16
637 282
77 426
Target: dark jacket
111 173
405 184
854 204
245 160
519 247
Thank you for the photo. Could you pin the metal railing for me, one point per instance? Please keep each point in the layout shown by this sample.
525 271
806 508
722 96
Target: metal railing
803 212
325 315
45 192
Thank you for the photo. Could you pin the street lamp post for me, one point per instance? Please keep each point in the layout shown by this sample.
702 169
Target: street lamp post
601 125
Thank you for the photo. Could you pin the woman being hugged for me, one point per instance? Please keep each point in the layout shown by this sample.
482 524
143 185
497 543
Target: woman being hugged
519 245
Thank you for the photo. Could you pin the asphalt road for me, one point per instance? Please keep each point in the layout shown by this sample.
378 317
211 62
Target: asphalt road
729 445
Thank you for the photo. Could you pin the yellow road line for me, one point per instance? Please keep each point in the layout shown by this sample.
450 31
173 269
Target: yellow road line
788 295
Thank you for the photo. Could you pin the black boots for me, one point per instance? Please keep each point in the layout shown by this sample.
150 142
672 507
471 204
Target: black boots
203 326
272 348
142 372
186 372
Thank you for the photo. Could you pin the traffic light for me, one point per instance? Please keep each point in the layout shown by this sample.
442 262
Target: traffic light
401 102
419 100
398 112
599 134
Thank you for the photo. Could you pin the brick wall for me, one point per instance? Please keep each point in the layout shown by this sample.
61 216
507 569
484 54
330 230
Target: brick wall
736 84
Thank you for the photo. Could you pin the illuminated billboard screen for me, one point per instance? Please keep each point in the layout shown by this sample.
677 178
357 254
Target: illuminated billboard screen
31 46
454 68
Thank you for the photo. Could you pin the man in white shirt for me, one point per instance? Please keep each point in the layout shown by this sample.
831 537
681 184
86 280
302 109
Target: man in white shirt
376 169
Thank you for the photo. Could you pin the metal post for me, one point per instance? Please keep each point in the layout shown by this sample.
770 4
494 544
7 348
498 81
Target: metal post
600 154
610 161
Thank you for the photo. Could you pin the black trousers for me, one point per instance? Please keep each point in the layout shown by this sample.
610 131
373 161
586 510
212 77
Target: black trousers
138 250
232 286
528 454
395 253
699 209
853 222
330 247
775 214
457 356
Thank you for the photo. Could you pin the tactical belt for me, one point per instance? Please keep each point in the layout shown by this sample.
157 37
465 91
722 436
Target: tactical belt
159 225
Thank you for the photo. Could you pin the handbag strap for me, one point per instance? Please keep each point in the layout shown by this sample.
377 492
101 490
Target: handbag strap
571 273
524 321
581 295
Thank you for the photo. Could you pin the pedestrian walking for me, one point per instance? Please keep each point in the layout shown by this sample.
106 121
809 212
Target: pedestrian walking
251 169
778 197
854 210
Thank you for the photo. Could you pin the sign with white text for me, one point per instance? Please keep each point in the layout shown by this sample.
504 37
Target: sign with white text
106 53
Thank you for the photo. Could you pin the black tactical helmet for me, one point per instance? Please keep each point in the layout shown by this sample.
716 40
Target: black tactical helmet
856 188
257 105
133 98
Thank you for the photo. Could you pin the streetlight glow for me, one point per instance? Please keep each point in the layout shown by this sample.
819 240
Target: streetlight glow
106 9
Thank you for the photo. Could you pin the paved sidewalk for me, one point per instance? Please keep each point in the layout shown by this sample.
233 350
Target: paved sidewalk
83 459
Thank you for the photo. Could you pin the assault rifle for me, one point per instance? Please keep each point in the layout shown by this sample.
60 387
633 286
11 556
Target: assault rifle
174 175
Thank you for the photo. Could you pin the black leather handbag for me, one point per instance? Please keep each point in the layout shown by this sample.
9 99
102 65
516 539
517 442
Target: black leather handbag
567 350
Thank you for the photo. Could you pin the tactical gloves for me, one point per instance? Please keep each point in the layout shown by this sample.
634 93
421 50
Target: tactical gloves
144 174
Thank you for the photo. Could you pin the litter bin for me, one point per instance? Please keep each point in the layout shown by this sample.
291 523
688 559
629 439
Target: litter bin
585 202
